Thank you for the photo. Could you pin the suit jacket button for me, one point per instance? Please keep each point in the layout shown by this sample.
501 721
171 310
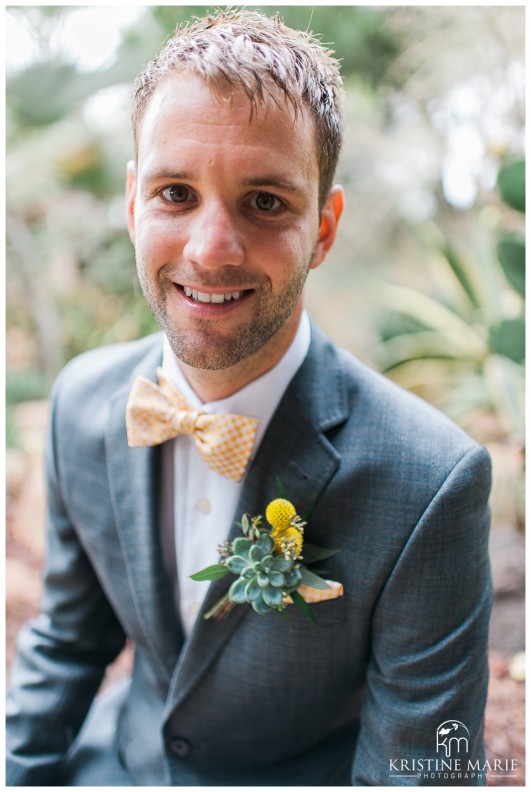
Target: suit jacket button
179 747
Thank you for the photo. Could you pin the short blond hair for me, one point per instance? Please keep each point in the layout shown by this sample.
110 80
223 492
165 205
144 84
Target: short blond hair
250 50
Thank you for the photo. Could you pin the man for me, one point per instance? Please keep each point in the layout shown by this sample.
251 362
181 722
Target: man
230 202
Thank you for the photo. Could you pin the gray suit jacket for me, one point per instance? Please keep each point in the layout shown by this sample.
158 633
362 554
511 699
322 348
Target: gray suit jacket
258 700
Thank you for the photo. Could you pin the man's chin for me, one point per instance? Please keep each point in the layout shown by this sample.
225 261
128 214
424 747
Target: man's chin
206 363
210 350
211 356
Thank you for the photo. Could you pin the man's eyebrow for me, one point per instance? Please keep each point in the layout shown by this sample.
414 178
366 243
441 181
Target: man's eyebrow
273 180
159 174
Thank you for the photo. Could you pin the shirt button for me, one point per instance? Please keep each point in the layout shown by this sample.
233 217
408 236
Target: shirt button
179 747
204 505
194 608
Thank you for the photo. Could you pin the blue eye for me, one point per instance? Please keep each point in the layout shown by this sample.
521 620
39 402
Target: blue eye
177 193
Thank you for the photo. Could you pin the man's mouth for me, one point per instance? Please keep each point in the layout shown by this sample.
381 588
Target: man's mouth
211 297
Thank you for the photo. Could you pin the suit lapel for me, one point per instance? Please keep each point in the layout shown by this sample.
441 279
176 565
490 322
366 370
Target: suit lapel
133 482
295 451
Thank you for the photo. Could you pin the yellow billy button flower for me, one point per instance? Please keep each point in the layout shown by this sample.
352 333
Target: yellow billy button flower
287 542
279 514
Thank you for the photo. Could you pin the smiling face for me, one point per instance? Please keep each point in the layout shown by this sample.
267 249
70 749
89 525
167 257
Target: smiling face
223 213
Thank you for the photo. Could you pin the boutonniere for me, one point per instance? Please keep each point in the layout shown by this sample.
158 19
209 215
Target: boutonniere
272 565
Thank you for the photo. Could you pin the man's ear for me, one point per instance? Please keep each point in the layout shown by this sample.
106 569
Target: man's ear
130 196
329 219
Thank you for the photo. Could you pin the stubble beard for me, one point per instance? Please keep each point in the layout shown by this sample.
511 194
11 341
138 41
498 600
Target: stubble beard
205 347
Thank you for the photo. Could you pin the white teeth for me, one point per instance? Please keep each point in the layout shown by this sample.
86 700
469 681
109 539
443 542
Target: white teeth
207 297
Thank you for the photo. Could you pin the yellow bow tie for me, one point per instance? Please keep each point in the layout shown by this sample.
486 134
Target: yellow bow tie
156 413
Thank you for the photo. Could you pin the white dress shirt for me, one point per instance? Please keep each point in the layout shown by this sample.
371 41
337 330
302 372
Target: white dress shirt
204 501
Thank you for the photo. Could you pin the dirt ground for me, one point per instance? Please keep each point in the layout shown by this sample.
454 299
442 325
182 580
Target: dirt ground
505 714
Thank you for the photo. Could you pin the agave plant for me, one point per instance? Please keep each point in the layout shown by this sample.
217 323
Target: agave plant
463 346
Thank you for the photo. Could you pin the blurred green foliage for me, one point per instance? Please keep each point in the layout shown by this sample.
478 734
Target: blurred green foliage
474 336
428 290
71 277
511 183
358 36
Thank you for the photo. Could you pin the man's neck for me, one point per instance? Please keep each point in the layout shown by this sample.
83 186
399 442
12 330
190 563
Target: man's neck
214 385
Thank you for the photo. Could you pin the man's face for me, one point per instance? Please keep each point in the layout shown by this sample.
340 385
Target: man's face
223 213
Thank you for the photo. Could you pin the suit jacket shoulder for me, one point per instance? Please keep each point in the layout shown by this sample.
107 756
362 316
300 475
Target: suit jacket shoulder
84 389
103 370
373 417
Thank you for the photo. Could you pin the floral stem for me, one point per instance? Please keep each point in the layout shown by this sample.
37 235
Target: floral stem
221 609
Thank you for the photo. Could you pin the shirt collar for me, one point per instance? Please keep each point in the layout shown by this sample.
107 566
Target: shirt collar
261 397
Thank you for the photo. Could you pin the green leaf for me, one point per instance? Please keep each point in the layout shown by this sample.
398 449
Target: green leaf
302 605
256 553
260 607
265 543
277 579
511 183
237 591
309 511
312 553
433 315
214 572
272 596
252 591
281 490
423 345
309 579
241 546
281 564
511 253
459 268
508 339
504 382
293 578
237 564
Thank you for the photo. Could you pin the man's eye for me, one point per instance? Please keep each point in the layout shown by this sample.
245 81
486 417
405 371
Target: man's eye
177 193
266 202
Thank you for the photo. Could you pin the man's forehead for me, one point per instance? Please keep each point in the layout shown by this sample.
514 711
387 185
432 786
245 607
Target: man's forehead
179 113
184 86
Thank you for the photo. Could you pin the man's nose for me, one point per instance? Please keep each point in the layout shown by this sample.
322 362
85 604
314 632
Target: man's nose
214 239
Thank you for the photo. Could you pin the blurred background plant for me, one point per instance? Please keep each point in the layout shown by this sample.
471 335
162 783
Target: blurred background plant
461 345
426 281
474 324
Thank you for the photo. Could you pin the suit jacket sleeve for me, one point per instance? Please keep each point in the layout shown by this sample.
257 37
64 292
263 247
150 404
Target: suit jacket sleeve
63 654
429 639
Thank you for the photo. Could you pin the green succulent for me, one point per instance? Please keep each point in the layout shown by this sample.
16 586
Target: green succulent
264 579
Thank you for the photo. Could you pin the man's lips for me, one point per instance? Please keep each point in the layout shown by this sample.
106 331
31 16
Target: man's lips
216 297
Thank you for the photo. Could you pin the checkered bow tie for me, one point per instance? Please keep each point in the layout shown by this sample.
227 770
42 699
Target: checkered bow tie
156 413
